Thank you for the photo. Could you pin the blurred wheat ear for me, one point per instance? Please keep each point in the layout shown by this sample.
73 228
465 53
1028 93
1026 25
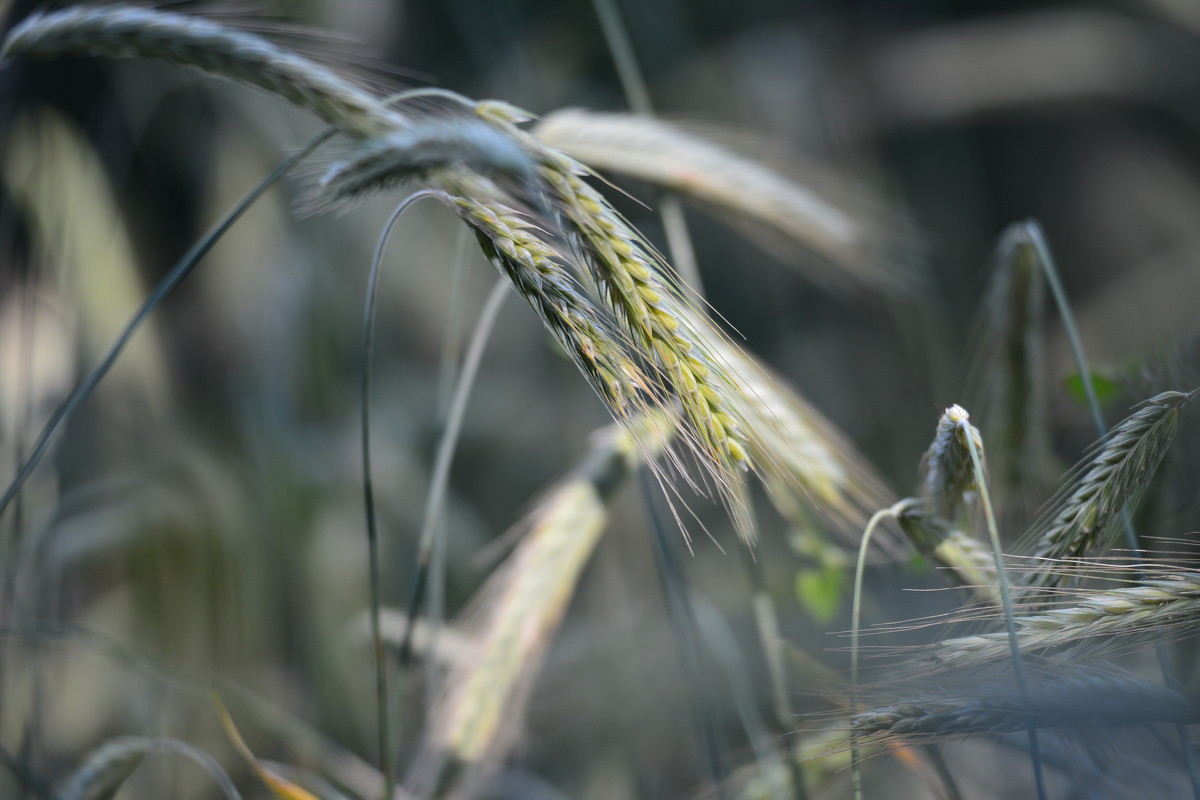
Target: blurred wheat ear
477 715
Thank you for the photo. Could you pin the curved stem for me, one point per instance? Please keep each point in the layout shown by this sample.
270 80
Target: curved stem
381 694
855 620
1035 754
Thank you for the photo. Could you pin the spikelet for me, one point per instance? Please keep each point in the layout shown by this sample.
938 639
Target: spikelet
520 607
1081 521
124 31
1073 701
657 152
946 472
1148 608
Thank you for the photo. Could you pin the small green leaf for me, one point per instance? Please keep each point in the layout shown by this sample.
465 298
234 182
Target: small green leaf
1106 388
820 590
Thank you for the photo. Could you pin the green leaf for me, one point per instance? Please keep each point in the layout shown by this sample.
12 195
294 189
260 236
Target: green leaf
1106 388
820 590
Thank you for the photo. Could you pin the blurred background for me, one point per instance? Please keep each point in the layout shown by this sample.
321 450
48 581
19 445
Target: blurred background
200 519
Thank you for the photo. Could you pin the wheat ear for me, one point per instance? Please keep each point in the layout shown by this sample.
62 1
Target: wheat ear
1071 701
122 31
1144 609
522 604
661 154
946 474
635 283
1005 380
1080 522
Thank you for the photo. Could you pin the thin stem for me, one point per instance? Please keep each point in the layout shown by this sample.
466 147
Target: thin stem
683 623
1038 239
769 640
444 458
855 621
1035 754
637 94
381 692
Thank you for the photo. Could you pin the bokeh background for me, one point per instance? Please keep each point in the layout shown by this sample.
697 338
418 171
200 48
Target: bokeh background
201 515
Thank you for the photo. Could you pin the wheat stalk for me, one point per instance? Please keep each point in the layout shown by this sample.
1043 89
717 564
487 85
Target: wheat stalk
1080 522
1146 608
124 31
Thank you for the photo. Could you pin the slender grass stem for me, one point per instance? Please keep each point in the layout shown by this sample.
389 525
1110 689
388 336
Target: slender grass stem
436 496
381 692
1035 754
855 621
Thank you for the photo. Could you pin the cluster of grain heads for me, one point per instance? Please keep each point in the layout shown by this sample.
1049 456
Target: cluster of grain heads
635 285
1081 521
518 610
